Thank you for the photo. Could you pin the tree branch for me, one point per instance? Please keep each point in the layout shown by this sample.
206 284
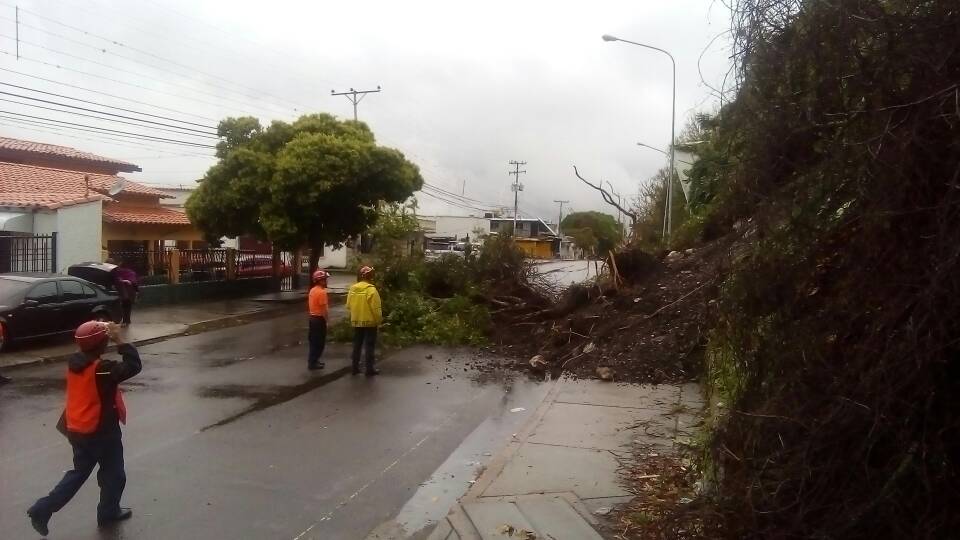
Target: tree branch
607 197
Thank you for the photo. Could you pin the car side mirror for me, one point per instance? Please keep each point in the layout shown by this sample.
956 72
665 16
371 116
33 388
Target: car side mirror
31 303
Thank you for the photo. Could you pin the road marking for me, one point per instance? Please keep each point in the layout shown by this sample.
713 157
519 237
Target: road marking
329 515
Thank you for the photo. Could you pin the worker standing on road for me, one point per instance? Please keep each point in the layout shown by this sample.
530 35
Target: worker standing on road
91 421
317 304
363 302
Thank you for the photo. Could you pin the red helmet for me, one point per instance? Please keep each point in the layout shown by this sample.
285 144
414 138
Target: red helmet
320 275
90 335
366 271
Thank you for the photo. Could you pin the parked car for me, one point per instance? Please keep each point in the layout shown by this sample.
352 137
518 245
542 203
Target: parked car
36 305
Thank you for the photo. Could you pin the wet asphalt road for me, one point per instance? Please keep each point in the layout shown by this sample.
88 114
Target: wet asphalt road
231 437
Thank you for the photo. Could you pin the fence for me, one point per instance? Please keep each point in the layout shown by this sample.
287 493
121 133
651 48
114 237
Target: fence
196 264
36 253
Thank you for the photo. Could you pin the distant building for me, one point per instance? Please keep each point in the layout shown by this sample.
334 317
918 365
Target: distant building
61 206
526 227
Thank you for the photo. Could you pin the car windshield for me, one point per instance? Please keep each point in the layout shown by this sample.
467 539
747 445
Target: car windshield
11 289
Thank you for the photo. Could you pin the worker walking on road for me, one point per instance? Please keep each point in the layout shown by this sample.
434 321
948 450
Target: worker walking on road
363 302
91 421
317 304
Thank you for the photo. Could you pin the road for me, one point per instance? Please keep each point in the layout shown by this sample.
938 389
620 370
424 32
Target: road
231 437
566 273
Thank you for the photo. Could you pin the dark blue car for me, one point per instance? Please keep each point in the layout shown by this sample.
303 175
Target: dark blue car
36 305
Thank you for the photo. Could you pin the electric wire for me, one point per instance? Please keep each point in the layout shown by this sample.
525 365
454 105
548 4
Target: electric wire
117 43
54 94
177 129
127 133
137 74
101 93
41 127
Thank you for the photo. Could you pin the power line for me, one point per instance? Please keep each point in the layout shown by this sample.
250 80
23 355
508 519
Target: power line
178 129
127 133
140 51
117 81
100 105
457 195
233 35
114 96
32 125
137 74
124 20
454 203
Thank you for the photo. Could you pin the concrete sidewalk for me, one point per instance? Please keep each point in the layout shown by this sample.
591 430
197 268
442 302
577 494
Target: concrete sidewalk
156 323
557 475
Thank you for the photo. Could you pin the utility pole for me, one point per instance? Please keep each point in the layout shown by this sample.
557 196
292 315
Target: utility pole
559 221
17 17
561 203
352 96
517 187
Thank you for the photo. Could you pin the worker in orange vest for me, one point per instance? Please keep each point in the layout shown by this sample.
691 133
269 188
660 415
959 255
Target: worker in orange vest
317 304
91 421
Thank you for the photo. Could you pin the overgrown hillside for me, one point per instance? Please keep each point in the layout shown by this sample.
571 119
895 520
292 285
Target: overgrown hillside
836 350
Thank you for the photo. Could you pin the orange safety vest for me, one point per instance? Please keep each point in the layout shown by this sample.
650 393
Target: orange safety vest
83 401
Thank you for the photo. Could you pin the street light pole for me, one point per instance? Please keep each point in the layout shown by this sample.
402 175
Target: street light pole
667 217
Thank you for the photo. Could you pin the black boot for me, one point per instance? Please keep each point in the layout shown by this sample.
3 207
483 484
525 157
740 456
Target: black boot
3 380
123 514
39 523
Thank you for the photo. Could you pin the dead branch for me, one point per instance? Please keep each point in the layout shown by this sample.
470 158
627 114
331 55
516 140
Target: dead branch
607 197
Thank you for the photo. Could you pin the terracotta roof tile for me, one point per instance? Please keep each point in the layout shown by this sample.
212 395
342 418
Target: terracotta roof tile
59 185
144 215
31 147
48 201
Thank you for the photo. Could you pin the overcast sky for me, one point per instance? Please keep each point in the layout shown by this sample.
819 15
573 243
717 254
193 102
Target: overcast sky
467 87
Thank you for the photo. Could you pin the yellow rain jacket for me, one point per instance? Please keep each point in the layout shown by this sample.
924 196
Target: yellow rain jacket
363 303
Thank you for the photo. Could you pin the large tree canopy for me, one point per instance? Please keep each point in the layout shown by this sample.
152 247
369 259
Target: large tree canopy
316 181
594 232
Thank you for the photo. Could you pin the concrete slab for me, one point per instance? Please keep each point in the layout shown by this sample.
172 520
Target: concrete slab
604 428
540 468
491 517
691 396
552 517
641 396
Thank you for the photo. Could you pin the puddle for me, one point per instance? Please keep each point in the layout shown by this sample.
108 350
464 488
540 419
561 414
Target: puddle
265 396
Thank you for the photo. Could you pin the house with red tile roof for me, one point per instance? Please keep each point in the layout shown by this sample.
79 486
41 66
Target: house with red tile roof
80 196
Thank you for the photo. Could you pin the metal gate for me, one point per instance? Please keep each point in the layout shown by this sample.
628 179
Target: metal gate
35 253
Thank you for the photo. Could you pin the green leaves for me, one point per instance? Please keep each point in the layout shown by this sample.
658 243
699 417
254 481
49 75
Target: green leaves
594 232
315 181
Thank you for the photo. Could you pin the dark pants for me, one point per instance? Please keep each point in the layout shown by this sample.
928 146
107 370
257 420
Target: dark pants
364 337
317 336
105 451
127 306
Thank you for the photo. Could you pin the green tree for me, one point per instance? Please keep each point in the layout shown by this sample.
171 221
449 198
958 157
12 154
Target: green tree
594 232
312 182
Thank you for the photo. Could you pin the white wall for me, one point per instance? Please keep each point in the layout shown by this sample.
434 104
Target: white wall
460 226
333 258
45 222
79 234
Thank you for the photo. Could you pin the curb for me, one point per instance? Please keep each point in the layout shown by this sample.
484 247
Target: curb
199 327
500 461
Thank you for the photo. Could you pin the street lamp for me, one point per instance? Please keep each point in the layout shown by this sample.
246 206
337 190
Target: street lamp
673 123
